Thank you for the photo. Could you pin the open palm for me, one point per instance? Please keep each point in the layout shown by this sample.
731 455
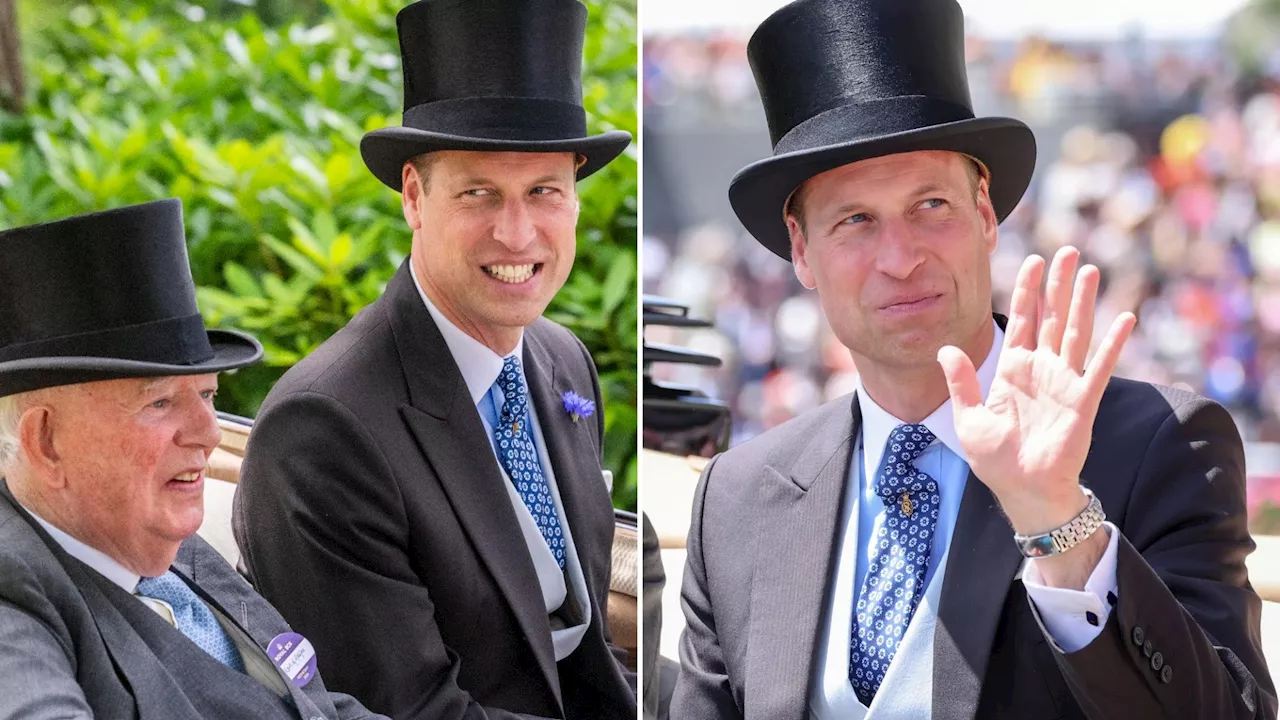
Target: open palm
1028 441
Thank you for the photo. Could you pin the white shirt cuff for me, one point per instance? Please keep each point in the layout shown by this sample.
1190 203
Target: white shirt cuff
1066 613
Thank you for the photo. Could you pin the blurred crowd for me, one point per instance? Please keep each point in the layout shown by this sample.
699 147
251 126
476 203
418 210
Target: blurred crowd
1162 164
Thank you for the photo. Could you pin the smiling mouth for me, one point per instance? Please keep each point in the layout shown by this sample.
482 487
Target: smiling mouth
188 477
512 274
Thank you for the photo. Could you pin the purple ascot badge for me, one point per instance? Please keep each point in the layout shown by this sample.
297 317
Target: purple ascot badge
577 406
295 657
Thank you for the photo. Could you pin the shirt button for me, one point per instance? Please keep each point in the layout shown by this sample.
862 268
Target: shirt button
1139 636
1148 648
1157 662
1166 674
1111 598
1092 618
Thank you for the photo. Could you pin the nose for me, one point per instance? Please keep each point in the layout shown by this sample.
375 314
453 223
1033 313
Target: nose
200 427
514 226
897 253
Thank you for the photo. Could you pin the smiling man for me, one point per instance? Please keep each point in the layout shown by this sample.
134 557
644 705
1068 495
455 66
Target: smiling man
427 471
110 605
991 526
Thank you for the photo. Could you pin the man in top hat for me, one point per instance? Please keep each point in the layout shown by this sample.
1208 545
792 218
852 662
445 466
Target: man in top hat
110 605
433 470
990 526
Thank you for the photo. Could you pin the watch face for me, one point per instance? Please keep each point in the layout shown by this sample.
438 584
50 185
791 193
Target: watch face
1039 546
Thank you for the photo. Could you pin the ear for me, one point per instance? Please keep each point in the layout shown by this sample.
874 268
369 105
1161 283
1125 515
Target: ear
987 214
799 248
35 434
411 195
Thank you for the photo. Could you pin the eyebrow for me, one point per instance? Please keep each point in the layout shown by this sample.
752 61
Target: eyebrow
150 384
857 205
931 187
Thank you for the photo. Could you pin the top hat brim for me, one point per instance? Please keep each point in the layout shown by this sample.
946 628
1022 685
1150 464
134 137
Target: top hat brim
385 151
231 350
1006 146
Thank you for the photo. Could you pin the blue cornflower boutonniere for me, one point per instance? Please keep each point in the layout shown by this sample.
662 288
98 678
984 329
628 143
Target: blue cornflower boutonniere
577 406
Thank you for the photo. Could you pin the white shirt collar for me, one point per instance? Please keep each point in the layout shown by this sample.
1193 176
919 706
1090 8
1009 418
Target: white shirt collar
877 422
94 558
480 365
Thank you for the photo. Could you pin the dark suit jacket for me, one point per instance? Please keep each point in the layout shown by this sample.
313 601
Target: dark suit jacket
1168 467
372 512
70 637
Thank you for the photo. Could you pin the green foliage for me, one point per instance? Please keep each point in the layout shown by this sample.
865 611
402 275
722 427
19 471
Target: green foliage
255 126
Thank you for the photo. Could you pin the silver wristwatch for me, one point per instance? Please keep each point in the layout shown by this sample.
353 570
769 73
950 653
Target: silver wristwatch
1066 537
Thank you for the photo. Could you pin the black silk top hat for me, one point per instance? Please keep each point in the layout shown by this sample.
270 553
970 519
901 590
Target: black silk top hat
848 80
103 296
492 75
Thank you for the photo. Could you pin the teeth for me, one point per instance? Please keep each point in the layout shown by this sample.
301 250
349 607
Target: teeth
510 273
187 477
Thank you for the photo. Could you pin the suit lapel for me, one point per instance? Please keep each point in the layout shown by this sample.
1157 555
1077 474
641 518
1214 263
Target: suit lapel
796 522
574 456
981 565
452 437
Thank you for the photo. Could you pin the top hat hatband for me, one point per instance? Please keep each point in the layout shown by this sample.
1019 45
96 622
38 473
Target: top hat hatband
103 296
492 75
848 80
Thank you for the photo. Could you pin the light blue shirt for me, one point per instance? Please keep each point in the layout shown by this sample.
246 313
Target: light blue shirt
939 462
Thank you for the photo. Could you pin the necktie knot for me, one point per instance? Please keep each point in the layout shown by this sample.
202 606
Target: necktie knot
169 588
192 617
898 474
511 383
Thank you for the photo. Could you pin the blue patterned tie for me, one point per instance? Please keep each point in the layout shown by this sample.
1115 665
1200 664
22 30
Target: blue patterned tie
193 618
520 458
895 579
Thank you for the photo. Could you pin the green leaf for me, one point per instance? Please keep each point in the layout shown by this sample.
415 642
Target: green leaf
240 280
340 251
296 260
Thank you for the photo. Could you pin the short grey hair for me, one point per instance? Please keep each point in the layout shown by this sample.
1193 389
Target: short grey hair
11 408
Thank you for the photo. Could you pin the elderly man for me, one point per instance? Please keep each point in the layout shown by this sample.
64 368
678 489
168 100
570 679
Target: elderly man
1030 539
110 605
433 470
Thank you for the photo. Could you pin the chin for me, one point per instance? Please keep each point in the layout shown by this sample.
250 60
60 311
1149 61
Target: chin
520 316
184 526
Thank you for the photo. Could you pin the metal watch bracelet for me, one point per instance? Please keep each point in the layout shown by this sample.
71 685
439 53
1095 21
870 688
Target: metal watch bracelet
1066 537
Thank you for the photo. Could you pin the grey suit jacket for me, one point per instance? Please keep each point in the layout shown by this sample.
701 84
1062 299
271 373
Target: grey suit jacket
73 644
369 482
1168 467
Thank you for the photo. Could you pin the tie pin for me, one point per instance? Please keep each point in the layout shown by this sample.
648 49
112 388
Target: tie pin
907 507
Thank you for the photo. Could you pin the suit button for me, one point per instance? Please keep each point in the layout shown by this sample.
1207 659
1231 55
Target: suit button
1166 674
1157 662
1139 636
1148 648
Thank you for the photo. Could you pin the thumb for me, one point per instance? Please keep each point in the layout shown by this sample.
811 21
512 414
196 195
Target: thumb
962 379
